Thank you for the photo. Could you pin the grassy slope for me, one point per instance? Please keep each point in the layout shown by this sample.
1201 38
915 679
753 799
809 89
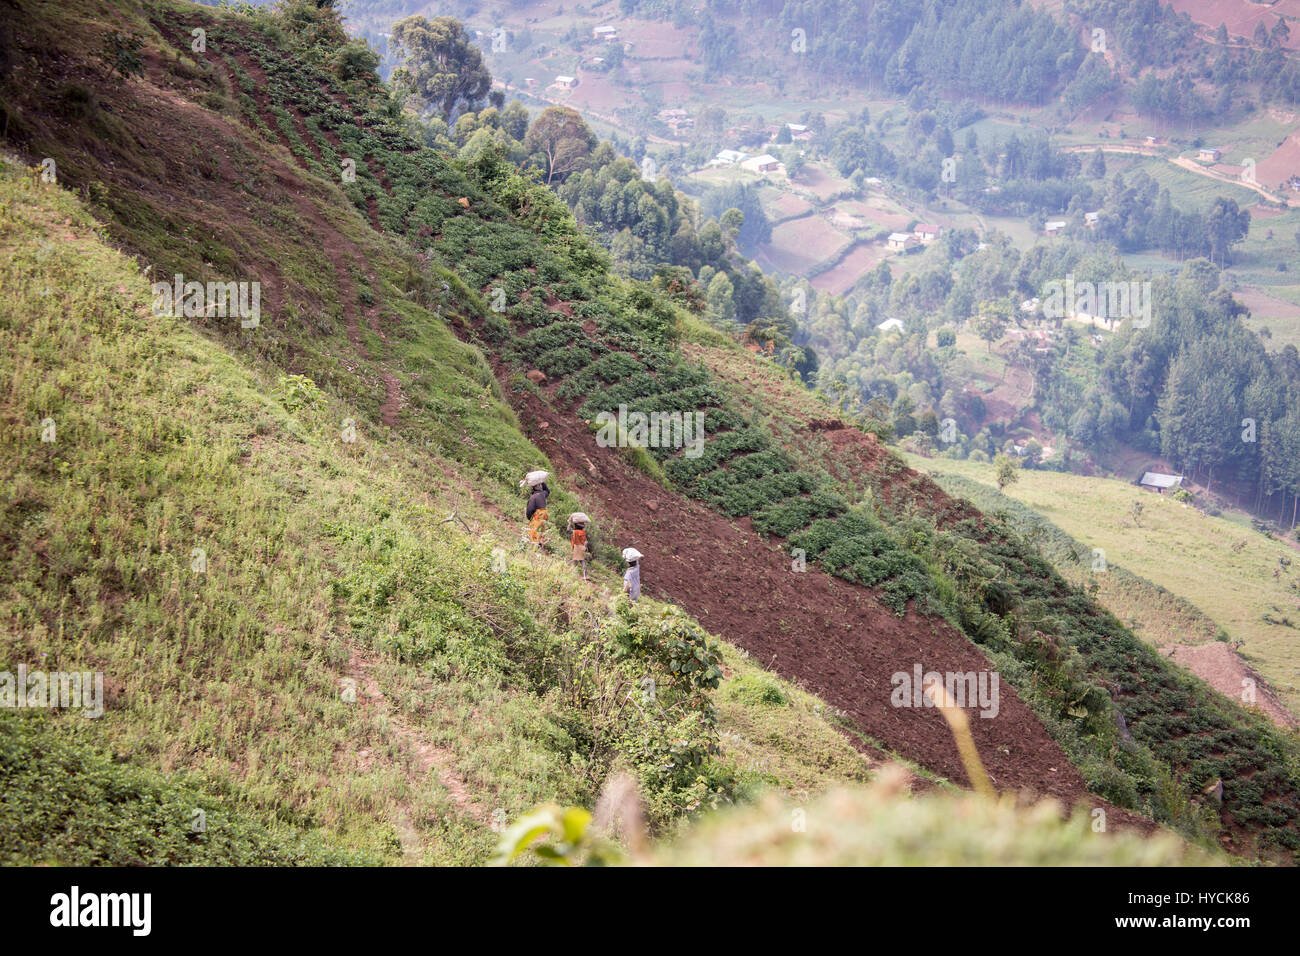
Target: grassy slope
1179 548
872 828
166 442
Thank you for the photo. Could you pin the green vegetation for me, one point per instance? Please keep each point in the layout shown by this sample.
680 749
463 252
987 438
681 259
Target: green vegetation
1239 591
274 610
282 547
875 828
1075 665
67 804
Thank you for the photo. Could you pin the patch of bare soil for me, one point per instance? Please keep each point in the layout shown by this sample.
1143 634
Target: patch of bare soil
827 635
1223 669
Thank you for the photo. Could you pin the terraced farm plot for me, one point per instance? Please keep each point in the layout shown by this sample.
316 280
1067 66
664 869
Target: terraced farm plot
1240 16
800 245
863 258
596 92
822 182
780 205
879 209
1281 316
657 40
1191 192
842 218
1281 164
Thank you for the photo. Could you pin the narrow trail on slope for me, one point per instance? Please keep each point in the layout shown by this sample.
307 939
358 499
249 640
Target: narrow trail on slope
422 759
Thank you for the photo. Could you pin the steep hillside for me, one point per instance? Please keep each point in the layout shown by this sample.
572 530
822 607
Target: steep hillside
348 466
1251 597
1000 587
298 630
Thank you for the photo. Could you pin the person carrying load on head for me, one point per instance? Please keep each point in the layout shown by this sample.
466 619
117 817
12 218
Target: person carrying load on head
535 511
632 576
579 539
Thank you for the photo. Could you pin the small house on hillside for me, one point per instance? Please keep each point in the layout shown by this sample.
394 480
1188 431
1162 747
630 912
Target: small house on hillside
926 233
1158 482
902 241
1054 227
1090 219
762 164
677 120
1209 154
607 33
891 325
566 82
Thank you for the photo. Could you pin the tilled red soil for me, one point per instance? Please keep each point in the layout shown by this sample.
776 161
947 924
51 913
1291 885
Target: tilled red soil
827 635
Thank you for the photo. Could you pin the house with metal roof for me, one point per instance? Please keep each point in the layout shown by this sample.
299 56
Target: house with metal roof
1156 481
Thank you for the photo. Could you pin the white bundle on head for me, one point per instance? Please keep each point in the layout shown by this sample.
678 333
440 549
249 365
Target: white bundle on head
534 478
579 518
631 554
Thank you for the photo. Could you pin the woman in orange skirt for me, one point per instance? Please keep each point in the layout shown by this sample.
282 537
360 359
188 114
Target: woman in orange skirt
536 514
579 540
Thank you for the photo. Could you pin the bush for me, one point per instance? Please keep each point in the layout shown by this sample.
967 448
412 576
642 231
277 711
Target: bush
93 809
756 689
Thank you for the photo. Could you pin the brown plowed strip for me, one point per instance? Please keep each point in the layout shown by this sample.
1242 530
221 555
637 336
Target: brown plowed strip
1223 669
827 635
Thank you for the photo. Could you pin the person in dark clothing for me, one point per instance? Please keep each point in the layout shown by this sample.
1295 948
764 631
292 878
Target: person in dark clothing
536 513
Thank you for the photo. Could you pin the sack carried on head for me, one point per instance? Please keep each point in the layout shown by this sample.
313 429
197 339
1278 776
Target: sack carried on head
534 478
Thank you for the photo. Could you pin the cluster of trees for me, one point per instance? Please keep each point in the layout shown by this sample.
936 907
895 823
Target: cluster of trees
441 70
315 28
1025 175
1209 80
1008 51
648 225
653 231
1201 388
999 49
1174 97
1170 388
1137 214
1145 31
